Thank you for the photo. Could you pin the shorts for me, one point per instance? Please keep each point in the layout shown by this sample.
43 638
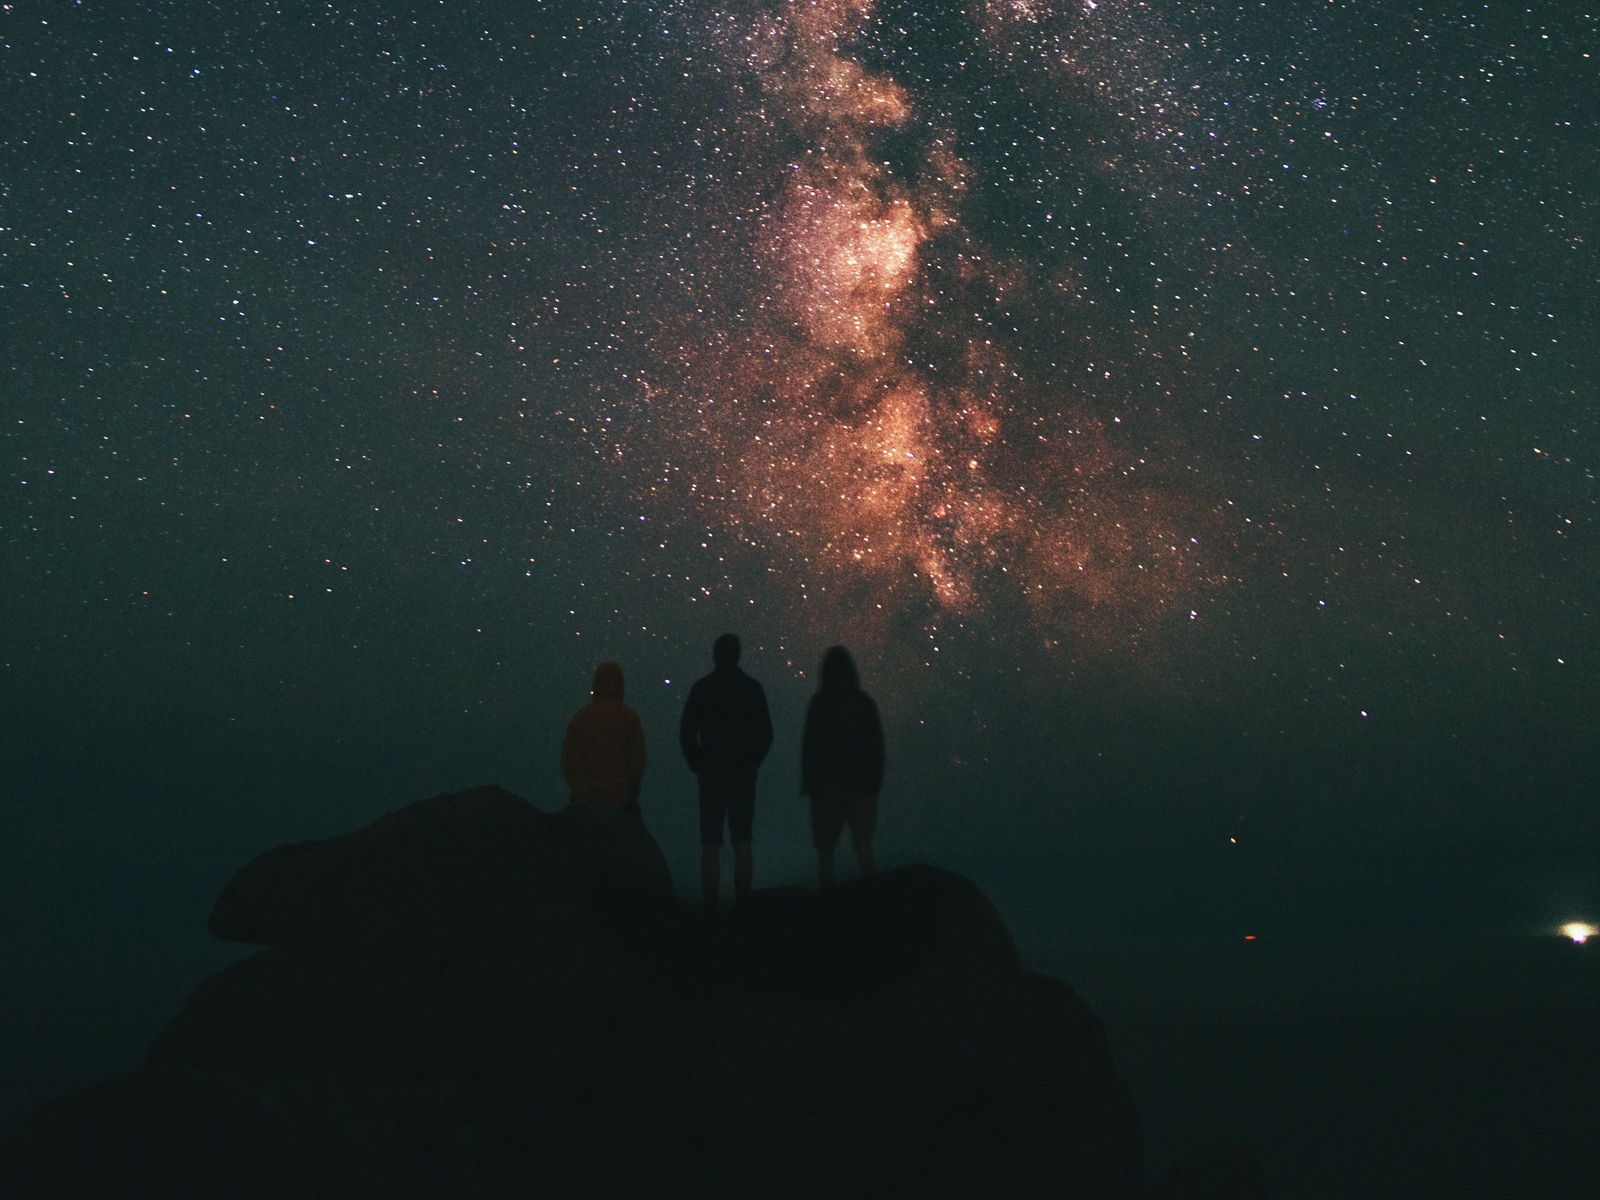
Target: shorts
733 800
832 808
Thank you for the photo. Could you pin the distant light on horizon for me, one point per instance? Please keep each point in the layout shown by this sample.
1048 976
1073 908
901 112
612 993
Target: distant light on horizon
1579 931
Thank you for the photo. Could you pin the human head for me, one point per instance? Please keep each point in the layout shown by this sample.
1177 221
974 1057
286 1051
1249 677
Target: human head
607 683
839 669
725 652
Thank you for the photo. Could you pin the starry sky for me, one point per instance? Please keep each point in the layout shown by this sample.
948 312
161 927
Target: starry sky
1186 411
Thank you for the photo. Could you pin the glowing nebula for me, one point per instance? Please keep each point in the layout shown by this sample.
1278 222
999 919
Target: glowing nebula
863 427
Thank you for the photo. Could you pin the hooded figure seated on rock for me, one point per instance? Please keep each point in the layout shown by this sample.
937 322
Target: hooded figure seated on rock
602 756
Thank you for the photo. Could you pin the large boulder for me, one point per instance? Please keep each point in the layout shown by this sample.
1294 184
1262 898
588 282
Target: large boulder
444 877
474 998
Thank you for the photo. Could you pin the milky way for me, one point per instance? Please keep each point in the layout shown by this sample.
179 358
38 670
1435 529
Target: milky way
869 430
1052 316
1243 340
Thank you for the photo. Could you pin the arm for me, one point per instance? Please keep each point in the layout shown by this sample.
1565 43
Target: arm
689 731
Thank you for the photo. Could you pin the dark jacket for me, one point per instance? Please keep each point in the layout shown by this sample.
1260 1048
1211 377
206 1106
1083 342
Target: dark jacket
843 741
603 753
726 730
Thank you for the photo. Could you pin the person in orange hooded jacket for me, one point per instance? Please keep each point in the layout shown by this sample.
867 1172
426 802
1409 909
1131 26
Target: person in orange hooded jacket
602 755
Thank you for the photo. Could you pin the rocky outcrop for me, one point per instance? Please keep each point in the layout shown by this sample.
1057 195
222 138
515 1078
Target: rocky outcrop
444 878
471 997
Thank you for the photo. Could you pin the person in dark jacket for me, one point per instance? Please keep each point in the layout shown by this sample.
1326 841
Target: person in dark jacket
725 732
841 764
602 755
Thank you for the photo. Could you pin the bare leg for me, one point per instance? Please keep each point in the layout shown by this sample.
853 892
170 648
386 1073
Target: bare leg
864 856
742 871
710 876
825 870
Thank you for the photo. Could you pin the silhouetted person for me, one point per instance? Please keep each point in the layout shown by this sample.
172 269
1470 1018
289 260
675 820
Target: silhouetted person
602 756
725 732
841 764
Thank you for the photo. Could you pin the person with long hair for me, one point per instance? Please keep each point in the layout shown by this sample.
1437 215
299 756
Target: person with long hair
841 764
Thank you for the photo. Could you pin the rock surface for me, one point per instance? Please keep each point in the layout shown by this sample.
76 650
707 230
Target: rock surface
473 998
443 878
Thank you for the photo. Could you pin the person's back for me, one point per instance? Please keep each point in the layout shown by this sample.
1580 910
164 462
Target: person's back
843 742
841 763
725 733
603 755
726 729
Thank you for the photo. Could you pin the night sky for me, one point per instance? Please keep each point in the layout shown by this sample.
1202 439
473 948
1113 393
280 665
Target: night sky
1186 412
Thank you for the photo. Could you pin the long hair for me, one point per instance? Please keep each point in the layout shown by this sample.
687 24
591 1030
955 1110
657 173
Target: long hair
839 669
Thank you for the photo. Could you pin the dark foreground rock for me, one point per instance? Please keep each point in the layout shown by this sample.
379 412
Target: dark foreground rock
473 998
1214 1171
